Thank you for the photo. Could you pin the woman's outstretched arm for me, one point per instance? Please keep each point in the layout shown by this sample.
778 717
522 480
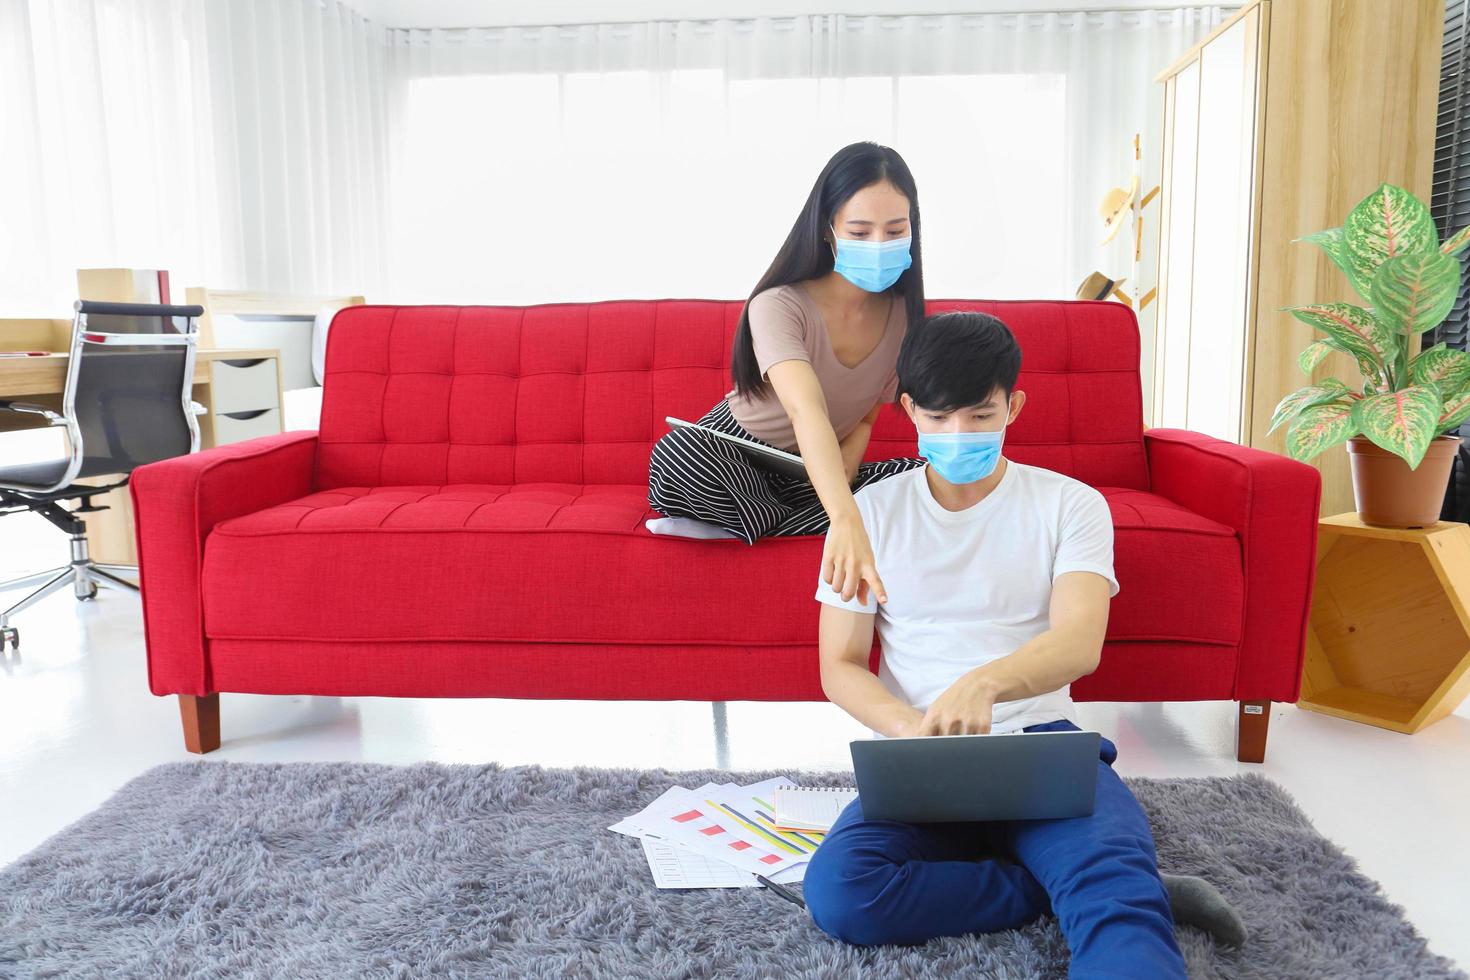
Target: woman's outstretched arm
847 558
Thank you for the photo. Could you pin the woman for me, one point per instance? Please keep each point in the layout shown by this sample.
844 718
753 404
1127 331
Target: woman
814 360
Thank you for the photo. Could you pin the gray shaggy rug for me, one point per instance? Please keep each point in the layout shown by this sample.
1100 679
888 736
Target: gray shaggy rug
341 870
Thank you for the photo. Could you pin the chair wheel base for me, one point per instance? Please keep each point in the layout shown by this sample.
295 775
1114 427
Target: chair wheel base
11 635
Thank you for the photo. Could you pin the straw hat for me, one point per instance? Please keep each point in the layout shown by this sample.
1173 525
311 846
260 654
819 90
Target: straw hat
1116 206
1098 287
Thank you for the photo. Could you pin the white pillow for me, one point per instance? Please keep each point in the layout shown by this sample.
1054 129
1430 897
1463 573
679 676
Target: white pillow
319 340
302 409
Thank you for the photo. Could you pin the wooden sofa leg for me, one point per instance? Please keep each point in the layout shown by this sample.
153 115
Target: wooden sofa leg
201 722
1251 722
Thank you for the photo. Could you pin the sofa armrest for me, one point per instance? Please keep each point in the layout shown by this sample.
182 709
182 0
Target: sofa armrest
176 503
1272 502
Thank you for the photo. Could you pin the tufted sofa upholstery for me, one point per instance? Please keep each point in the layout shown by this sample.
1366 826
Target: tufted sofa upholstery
468 521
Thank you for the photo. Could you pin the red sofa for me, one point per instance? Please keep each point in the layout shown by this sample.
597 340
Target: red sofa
468 522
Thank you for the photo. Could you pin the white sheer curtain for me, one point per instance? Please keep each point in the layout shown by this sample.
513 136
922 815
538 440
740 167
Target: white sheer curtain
291 145
236 144
669 159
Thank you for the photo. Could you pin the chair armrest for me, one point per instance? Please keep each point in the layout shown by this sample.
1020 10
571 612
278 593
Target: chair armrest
31 409
176 504
1272 503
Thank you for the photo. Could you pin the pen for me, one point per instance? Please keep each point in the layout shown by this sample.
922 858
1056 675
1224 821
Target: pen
785 893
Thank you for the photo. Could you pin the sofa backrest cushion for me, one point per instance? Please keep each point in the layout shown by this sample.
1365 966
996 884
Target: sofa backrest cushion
577 392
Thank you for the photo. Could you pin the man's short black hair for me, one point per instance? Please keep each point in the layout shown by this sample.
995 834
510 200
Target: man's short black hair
958 359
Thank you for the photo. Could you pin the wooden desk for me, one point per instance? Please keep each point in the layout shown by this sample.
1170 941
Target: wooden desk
34 378
240 390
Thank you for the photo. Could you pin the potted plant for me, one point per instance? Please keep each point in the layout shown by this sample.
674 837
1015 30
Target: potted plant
1406 408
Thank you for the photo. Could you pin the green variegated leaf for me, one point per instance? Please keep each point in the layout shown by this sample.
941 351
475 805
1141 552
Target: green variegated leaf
1329 389
1373 372
1387 223
1320 427
1416 291
1315 353
1402 422
1353 329
1456 409
1331 242
1456 242
1447 367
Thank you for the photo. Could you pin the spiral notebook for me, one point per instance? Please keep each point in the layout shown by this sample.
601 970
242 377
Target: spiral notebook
813 808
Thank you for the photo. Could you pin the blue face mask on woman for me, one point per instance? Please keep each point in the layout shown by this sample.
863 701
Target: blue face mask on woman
873 266
962 457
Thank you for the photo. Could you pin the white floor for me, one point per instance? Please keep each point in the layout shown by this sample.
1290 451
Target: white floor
78 722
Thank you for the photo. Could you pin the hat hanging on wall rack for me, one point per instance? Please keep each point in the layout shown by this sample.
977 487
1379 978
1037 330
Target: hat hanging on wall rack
1116 208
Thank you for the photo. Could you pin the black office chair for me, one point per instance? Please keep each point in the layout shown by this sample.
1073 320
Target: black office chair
127 402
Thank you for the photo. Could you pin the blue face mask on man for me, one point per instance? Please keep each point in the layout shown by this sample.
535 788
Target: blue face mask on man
873 266
962 457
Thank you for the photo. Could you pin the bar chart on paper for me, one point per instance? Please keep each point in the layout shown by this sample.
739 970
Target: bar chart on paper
719 836
748 806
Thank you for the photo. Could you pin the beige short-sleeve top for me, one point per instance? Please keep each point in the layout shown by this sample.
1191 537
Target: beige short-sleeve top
786 324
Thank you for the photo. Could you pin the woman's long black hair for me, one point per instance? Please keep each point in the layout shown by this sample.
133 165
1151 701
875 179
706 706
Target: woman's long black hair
806 254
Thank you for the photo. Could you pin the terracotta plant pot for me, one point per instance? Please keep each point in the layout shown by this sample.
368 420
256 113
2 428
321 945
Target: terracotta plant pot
1389 494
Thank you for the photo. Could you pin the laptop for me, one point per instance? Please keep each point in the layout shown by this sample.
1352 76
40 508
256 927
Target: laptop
954 778
766 457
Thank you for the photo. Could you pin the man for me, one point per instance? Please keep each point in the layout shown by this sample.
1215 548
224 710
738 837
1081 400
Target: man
996 580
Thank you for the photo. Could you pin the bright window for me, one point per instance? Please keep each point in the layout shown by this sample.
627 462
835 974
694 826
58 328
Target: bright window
589 186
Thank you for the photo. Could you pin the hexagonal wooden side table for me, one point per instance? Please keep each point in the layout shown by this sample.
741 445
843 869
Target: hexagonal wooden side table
1389 638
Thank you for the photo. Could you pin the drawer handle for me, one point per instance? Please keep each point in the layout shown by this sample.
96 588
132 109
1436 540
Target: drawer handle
242 416
245 362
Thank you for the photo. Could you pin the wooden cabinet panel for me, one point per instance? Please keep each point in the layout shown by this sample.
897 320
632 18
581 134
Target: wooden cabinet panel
1275 126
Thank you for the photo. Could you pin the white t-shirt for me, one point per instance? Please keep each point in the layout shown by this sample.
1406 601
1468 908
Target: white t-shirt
971 586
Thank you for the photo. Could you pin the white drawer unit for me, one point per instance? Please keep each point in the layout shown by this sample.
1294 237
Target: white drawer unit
244 385
238 426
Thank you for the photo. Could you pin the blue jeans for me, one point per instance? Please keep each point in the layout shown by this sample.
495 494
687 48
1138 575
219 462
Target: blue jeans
879 882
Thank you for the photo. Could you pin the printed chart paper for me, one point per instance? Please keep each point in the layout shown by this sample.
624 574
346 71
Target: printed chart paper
718 836
674 866
689 817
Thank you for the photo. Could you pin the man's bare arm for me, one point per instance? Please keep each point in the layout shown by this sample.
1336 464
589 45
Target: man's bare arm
845 639
1069 649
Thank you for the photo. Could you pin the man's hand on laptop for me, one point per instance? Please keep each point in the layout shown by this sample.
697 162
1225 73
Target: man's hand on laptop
963 709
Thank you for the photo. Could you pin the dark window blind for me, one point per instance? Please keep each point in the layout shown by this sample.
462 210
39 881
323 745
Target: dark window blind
1450 204
1450 200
